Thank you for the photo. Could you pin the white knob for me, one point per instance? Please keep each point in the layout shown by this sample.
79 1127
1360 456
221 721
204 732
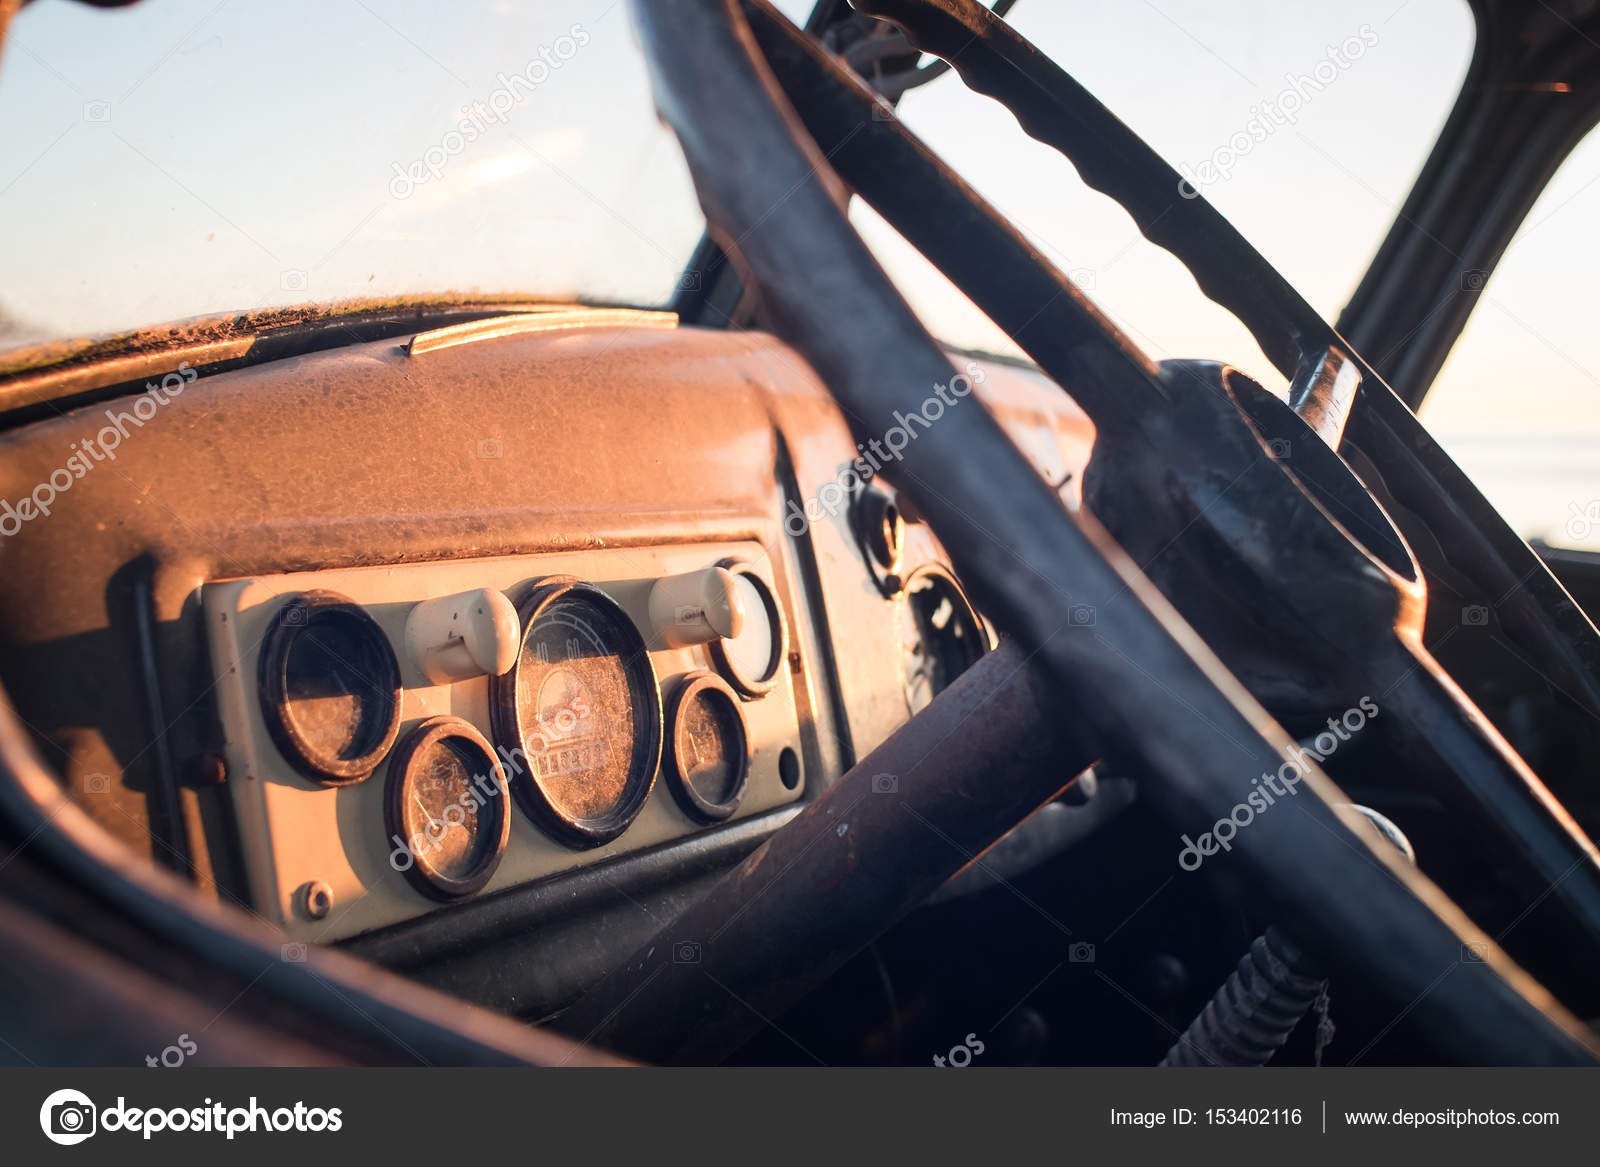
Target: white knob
464 635
696 608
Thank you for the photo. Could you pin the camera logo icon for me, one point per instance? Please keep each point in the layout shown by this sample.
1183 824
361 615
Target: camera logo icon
885 784
686 952
1473 279
97 111
1474 953
97 784
1475 616
1279 449
689 281
1081 953
294 952
489 448
1081 615
293 280
67 1117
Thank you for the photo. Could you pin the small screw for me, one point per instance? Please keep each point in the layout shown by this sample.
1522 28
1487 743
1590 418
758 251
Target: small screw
315 899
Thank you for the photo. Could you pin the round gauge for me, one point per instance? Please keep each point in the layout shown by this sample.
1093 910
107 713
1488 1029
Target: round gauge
940 634
578 717
446 808
751 660
707 758
329 687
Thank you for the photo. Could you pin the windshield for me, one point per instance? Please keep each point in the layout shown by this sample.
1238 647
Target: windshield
190 158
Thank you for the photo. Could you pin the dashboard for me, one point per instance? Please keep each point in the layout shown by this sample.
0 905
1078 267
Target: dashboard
599 737
383 640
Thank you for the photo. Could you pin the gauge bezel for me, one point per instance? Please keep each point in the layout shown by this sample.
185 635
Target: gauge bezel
422 874
645 759
289 622
759 686
935 570
696 805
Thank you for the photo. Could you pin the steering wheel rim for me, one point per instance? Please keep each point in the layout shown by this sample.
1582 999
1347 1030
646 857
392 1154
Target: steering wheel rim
1021 553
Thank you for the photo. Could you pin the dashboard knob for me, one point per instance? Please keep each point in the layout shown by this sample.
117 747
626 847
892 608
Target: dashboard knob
465 635
697 607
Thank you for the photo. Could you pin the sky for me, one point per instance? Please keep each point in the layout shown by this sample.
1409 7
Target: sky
200 156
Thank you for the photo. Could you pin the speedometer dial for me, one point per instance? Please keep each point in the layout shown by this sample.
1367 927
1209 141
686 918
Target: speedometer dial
578 718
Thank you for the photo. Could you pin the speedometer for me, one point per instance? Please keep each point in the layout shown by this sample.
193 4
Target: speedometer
446 809
578 717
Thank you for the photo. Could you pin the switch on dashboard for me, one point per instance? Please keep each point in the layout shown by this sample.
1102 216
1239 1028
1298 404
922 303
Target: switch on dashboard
469 634
697 607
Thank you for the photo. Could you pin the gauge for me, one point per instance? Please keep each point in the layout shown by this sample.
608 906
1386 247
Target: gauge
708 751
329 687
446 808
751 660
941 635
578 717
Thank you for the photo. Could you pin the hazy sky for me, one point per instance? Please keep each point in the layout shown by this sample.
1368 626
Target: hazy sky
183 158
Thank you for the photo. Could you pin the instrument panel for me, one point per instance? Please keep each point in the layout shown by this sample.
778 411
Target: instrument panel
384 500
401 737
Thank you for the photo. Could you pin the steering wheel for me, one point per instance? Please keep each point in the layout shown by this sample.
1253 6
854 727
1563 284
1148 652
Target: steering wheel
1245 581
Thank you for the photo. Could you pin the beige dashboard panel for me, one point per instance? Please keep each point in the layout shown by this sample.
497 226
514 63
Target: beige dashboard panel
294 831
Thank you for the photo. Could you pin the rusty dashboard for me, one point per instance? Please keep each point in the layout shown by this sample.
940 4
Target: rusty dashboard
408 643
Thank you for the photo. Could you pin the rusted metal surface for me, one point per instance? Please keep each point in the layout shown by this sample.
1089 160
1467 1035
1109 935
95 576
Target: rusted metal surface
41 381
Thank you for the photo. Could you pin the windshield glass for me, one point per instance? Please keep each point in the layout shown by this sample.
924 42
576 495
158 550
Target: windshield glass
1269 109
190 158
